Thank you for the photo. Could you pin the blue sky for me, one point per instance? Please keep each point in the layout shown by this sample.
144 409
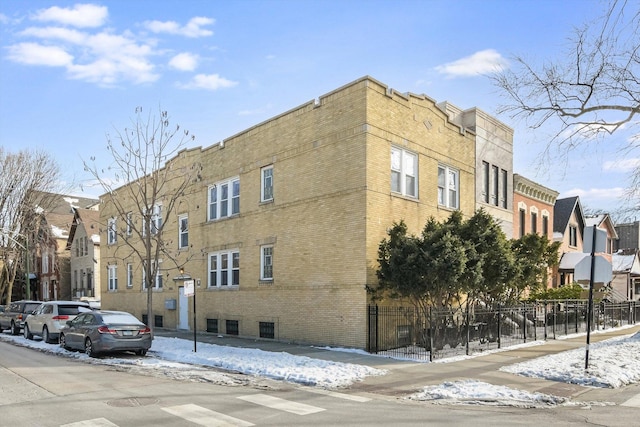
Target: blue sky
71 72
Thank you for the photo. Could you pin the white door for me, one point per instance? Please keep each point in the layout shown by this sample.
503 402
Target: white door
183 309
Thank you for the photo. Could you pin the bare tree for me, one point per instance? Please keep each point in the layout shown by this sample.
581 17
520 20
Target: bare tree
592 92
26 178
143 186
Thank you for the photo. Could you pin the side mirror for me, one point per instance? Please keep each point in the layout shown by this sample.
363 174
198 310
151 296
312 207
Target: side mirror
69 322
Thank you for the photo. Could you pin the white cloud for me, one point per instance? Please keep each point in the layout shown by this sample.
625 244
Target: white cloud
191 29
184 61
56 33
81 15
625 165
208 82
482 62
37 54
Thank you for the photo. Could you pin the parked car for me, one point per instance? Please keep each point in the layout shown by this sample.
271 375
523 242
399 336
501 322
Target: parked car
47 320
106 332
15 313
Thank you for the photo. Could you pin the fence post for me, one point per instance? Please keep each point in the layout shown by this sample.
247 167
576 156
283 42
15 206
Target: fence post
499 327
467 321
566 319
524 321
430 335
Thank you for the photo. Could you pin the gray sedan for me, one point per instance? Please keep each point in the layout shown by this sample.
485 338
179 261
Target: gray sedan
106 332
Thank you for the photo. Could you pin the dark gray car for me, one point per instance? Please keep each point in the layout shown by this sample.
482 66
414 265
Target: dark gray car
100 332
15 313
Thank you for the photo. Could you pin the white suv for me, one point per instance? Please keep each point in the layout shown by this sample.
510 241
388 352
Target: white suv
47 320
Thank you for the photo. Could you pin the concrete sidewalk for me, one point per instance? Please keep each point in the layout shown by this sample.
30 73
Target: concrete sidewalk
407 377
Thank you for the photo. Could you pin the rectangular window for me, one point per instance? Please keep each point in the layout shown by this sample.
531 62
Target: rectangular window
183 237
496 185
156 219
267 330
266 263
266 194
86 246
45 262
112 235
505 185
523 221
158 282
224 199
113 277
534 222
485 181
224 269
129 275
448 187
212 325
404 172
573 236
232 327
545 225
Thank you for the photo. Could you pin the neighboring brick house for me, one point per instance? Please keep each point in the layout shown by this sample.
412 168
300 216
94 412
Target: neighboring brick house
568 228
533 207
494 162
281 229
83 245
52 264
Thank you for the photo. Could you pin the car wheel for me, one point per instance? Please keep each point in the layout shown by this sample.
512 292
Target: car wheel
63 342
45 335
15 329
141 352
27 332
88 348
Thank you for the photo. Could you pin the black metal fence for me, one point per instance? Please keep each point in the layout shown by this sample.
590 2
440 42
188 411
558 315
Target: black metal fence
430 334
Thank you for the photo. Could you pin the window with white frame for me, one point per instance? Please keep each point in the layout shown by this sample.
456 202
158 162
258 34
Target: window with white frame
266 194
404 172
448 187
129 275
224 269
112 235
573 236
224 199
485 181
112 277
158 282
266 262
156 219
45 262
183 231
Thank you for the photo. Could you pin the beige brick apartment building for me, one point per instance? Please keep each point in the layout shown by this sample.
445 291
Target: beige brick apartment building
282 227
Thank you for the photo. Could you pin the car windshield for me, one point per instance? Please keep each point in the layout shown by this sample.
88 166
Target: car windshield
120 319
28 308
69 310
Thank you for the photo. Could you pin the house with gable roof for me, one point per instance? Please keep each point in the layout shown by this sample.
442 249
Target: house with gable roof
83 245
568 228
626 274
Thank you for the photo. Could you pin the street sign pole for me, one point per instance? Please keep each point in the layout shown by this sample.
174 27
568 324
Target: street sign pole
590 306
190 291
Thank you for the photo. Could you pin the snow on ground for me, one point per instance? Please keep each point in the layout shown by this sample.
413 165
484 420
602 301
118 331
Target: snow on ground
612 363
175 358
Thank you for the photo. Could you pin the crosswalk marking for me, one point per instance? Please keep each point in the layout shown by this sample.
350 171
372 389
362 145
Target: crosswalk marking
96 422
634 401
205 417
281 404
344 396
